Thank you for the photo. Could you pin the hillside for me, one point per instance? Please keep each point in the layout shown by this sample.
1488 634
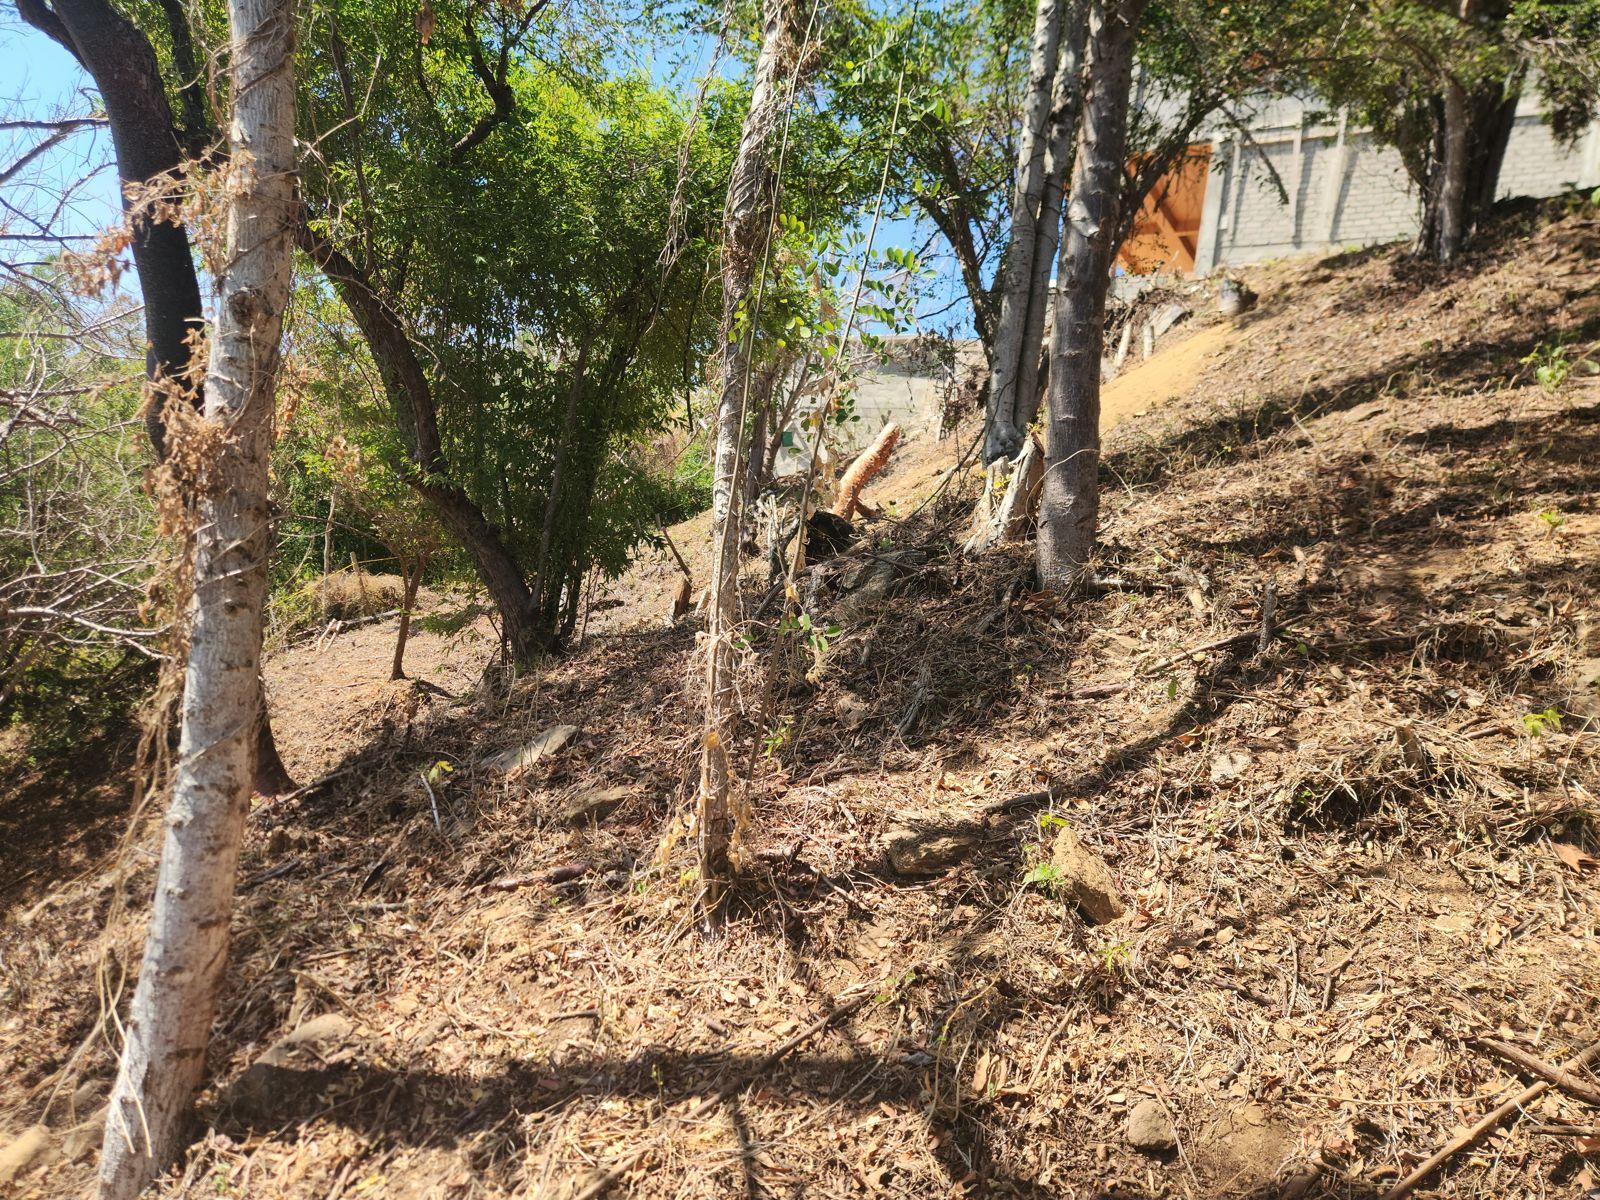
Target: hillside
1346 848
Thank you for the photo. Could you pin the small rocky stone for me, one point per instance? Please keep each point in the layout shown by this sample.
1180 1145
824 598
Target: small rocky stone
1150 1128
273 1083
922 852
853 710
545 744
594 806
870 583
1084 878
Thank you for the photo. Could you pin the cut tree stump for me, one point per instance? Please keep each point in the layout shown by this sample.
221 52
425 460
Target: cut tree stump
1011 516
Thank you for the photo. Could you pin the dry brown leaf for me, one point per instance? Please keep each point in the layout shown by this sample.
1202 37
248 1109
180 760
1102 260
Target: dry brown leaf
1575 858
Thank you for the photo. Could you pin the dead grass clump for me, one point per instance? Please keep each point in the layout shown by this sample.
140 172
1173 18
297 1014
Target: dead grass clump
348 594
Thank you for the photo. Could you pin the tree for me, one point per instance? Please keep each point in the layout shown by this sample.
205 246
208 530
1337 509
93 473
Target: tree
1050 118
747 226
537 317
150 144
225 452
1070 502
1440 81
954 70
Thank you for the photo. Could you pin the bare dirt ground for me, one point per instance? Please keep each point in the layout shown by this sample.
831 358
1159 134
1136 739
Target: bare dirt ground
1344 854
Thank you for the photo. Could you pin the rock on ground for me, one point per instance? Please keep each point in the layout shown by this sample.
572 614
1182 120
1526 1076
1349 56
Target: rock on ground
1084 878
1150 1128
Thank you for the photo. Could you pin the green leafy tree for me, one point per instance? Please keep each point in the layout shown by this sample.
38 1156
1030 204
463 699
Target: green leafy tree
526 250
1440 82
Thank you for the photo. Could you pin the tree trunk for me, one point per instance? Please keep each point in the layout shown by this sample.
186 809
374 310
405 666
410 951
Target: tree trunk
1451 231
411 577
272 778
1070 504
327 537
121 61
1002 438
169 1021
409 392
1472 127
746 221
564 448
1066 104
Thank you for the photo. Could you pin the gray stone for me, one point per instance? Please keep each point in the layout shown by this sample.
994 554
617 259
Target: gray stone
528 753
1150 1128
919 852
1166 317
1084 878
595 805
853 710
871 582
292 1069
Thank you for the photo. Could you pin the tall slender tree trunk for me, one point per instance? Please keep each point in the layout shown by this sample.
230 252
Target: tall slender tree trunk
1002 438
122 62
1453 173
408 390
1065 106
169 1021
327 536
1070 503
558 468
746 222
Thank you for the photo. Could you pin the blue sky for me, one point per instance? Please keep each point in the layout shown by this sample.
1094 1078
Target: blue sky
41 81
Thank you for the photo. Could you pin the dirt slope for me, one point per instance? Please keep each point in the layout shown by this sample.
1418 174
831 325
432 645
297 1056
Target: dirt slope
1342 855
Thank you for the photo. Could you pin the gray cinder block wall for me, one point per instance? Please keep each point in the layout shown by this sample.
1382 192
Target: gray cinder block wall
1295 187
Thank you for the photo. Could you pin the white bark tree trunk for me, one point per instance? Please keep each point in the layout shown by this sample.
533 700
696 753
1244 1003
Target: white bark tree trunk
746 223
1070 504
169 1022
1002 438
1065 105
1453 173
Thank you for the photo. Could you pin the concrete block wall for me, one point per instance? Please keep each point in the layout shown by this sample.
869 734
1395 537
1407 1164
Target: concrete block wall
1341 188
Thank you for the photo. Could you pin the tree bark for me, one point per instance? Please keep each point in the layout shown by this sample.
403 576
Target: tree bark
1066 103
411 395
1453 173
411 577
1472 127
1002 439
121 61
272 778
1070 503
747 217
564 448
169 1021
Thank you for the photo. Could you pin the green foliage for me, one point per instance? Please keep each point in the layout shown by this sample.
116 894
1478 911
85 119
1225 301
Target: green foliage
1391 63
1547 720
1553 364
553 262
1046 876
